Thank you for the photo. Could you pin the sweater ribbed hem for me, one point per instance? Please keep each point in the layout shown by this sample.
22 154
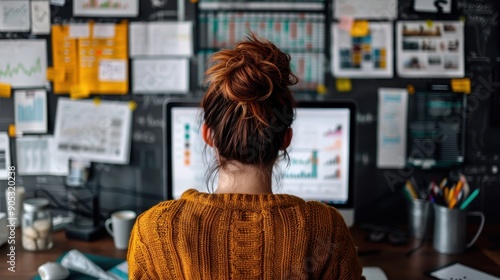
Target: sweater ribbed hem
242 201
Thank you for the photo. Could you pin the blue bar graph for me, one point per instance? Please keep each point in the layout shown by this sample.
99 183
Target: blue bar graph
31 112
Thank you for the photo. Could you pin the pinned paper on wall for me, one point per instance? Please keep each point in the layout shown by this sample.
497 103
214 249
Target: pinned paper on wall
5 90
30 107
40 17
373 9
430 49
432 6
15 15
161 38
59 3
367 53
461 85
346 23
23 63
104 30
79 30
360 28
391 128
113 70
37 155
160 75
343 85
106 8
4 155
100 64
99 133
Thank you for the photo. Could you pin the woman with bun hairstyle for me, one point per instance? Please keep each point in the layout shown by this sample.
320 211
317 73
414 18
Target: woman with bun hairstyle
241 230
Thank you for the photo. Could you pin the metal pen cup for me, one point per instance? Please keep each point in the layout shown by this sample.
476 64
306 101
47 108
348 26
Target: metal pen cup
450 229
419 218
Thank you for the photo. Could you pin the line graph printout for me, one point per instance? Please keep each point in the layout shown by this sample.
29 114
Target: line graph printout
160 75
15 15
31 111
37 155
4 155
23 63
100 132
106 8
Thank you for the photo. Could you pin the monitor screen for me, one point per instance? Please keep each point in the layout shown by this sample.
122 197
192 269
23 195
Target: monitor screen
321 152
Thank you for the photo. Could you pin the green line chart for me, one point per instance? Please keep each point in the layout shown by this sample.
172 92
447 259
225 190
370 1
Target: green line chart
11 71
23 63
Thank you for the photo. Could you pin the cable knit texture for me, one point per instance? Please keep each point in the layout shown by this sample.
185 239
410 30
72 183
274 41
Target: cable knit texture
241 236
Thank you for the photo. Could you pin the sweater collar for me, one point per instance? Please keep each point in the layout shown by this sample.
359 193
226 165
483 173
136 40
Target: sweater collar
242 201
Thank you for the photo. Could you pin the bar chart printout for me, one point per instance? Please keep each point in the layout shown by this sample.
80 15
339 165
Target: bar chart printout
31 111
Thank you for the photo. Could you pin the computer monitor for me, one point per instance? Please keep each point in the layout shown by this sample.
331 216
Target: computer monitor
321 165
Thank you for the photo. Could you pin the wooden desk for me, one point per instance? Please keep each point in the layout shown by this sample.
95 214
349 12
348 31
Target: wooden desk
28 262
397 266
390 258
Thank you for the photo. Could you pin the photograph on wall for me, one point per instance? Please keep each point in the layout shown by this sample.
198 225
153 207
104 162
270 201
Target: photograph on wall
368 55
430 49
106 8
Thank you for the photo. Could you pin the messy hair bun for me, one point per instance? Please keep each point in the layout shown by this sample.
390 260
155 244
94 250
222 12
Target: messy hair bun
248 104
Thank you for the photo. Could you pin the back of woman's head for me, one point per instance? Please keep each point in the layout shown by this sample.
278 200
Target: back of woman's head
248 106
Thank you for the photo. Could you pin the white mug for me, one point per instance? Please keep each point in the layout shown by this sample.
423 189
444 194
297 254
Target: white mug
119 226
14 204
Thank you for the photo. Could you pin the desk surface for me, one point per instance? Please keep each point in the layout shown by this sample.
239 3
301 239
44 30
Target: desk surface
390 258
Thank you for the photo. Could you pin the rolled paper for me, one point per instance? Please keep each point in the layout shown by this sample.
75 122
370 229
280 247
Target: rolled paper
75 260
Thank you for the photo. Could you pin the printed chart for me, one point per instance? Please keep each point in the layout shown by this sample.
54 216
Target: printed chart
31 111
106 8
23 63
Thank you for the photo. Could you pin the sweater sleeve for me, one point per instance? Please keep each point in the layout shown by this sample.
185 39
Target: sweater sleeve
344 258
138 258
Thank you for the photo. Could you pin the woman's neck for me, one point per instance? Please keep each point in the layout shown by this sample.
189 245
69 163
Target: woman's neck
246 179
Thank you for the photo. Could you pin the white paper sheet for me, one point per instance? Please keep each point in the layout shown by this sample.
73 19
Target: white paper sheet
30 111
79 30
374 50
431 6
37 155
160 75
113 70
23 63
104 30
460 271
15 15
106 8
433 49
40 17
391 127
4 155
58 2
95 132
372 9
161 38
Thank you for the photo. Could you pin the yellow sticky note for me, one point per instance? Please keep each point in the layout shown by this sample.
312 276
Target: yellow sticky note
461 85
56 75
5 90
429 23
12 130
97 101
132 105
343 85
78 91
360 28
410 89
321 89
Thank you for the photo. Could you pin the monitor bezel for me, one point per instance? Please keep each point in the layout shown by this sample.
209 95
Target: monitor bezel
328 104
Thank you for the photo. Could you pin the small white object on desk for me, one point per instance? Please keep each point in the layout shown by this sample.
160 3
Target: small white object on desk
53 271
373 273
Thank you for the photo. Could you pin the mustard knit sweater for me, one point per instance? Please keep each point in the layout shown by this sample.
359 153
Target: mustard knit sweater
241 236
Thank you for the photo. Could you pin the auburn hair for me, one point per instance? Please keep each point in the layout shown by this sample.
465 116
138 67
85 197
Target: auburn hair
248 105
